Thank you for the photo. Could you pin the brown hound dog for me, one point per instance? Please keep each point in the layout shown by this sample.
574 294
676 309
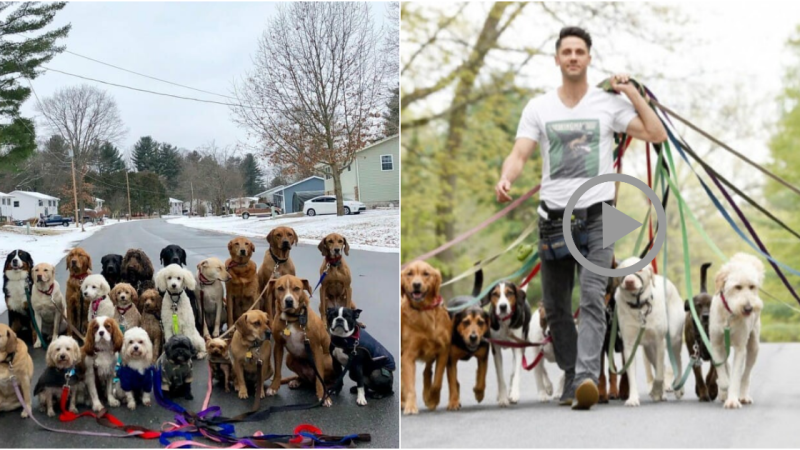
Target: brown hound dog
333 247
706 390
277 262
426 331
242 288
79 265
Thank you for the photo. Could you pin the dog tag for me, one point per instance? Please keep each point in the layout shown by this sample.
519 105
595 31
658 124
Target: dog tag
175 328
249 355
286 331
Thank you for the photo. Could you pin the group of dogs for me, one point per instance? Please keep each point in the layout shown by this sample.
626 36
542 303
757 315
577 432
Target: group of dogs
645 302
132 321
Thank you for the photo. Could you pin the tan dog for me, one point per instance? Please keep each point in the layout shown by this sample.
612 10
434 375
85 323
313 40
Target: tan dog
15 363
293 308
211 275
470 329
151 319
63 367
277 262
334 247
47 301
220 359
426 330
79 265
242 289
125 301
250 347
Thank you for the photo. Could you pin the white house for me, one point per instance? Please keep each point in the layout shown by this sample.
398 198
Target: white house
98 204
5 204
30 205
269 194
241 202
175 207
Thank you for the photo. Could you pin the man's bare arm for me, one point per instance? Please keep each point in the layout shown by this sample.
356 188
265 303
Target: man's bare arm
512 167
647 126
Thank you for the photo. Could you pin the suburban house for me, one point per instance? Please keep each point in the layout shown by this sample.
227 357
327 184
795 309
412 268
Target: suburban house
283 196
31 205
6 205
175 207
374 176
241 202
98 204
269 194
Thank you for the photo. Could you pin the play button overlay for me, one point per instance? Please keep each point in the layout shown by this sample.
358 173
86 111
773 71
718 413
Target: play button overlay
616 225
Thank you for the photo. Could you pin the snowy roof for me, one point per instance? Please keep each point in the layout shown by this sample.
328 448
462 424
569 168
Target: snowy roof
35 195
97 199
2 194
269 191
175 200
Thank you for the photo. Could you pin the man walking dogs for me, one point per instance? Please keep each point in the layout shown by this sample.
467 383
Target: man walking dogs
574 128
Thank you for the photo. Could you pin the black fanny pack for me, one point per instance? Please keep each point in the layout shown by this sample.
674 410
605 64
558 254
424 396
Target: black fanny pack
552 245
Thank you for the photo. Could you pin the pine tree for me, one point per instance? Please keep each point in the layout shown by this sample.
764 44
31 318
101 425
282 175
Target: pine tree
22 51
169 164
109 159
253 177
391 118
145 154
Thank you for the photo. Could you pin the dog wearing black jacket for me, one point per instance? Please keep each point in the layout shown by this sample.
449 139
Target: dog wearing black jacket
470 330
371 365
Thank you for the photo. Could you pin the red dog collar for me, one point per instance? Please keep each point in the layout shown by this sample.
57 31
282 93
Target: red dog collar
203 280
724 302
96 304
49 291
435 304
121 311
79 277
508 317
333 261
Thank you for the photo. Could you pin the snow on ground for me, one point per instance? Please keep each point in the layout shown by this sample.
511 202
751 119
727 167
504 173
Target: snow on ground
44 244
372 230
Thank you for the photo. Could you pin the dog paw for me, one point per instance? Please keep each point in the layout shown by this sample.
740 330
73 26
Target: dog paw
243 393
97 407
132 405
146 402
24 414
679 394
112 402
410 409
452 405
201 355
328 402
479 393
216 333
514 398
362 401
548 387
271 392
632 402
37 344
73 410
294 384
747 400
723 395
544 397
502 401
732 403
51 413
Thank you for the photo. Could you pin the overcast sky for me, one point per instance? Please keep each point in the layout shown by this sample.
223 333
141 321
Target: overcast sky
203 45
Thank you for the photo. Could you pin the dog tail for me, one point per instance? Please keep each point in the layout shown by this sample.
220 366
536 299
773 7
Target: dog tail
478 286
288 380
703 272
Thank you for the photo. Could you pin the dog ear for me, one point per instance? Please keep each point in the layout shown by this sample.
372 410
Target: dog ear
230 245
104 284
239 324
522 296
183 256
356 313
163 256
189 281
437 282
161 280
116 335
75 350
686 306
88 261
346 247
252 247
88 343
722 275
134 297
307 286
323 248
295 237
11 342
270 235
50 357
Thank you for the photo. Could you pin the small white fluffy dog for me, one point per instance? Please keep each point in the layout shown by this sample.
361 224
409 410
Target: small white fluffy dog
103 341
643 293
63 356
137 359
48 315
212 276
736 303
173 280
95 289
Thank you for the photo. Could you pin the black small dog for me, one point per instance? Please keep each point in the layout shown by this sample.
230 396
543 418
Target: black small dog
112 269
371 366
706 390
176 367
174 254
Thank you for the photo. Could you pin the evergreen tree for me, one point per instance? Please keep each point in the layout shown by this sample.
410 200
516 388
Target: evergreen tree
109 159
169 164
145 154
22 51
391 118
253 177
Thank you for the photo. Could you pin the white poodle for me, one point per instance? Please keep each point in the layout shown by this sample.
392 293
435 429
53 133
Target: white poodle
736 304
95 289
47 301
176 311
640 296
136 374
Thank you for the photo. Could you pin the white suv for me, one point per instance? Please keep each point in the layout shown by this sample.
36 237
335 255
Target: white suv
326 204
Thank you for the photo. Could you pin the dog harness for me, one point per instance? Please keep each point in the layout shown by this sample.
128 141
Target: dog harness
49 291
53 377
133 380
639 303
361 340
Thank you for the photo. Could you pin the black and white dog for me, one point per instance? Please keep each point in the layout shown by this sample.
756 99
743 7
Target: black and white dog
371 364
112 269
175 254
17 285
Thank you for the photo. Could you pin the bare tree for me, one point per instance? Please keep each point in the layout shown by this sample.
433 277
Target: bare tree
219 176
84 116
317 90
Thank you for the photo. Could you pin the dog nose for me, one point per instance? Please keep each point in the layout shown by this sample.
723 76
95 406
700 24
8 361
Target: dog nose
38 278
101 333
748 309
242 252
136 348
285 243
503 308
289 302
337 250
416 285
174 285
62 357
473 338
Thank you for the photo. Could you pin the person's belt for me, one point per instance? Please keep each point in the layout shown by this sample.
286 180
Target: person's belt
592 210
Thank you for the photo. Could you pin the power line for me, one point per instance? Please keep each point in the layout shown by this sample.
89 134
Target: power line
120 186
148 76
150 92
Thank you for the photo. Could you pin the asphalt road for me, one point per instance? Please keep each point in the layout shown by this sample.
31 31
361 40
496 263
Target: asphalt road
375 287
768 422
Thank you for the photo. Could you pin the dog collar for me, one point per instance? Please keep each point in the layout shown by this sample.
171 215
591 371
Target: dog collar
233 264
79 277
333 262
724 302
9 358
96 304
203 280
435 304
276 259
639 303
123 311
49 291
510 315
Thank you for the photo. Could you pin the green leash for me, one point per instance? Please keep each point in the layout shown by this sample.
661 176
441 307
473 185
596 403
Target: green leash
611 364
33 319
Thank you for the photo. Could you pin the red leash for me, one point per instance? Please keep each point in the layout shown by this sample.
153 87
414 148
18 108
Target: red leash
538 358
105 419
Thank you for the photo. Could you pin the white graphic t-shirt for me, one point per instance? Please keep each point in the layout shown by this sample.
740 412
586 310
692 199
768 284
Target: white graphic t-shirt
576 143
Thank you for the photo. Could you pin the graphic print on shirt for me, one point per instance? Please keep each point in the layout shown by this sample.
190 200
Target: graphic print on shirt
574 148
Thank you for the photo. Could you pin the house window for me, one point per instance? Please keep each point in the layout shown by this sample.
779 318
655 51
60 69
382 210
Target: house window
386 163
16 204
348 168
41 203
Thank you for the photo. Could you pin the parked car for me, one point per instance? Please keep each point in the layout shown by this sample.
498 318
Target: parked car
55 220
326 204
258 210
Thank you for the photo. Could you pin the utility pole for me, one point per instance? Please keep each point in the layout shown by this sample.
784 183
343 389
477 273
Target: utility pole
191 205
129 194
74 187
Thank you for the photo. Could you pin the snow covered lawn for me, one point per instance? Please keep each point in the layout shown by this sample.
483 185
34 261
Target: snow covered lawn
44 244
373 230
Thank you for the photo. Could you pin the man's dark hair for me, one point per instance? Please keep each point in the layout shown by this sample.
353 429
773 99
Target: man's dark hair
578 32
